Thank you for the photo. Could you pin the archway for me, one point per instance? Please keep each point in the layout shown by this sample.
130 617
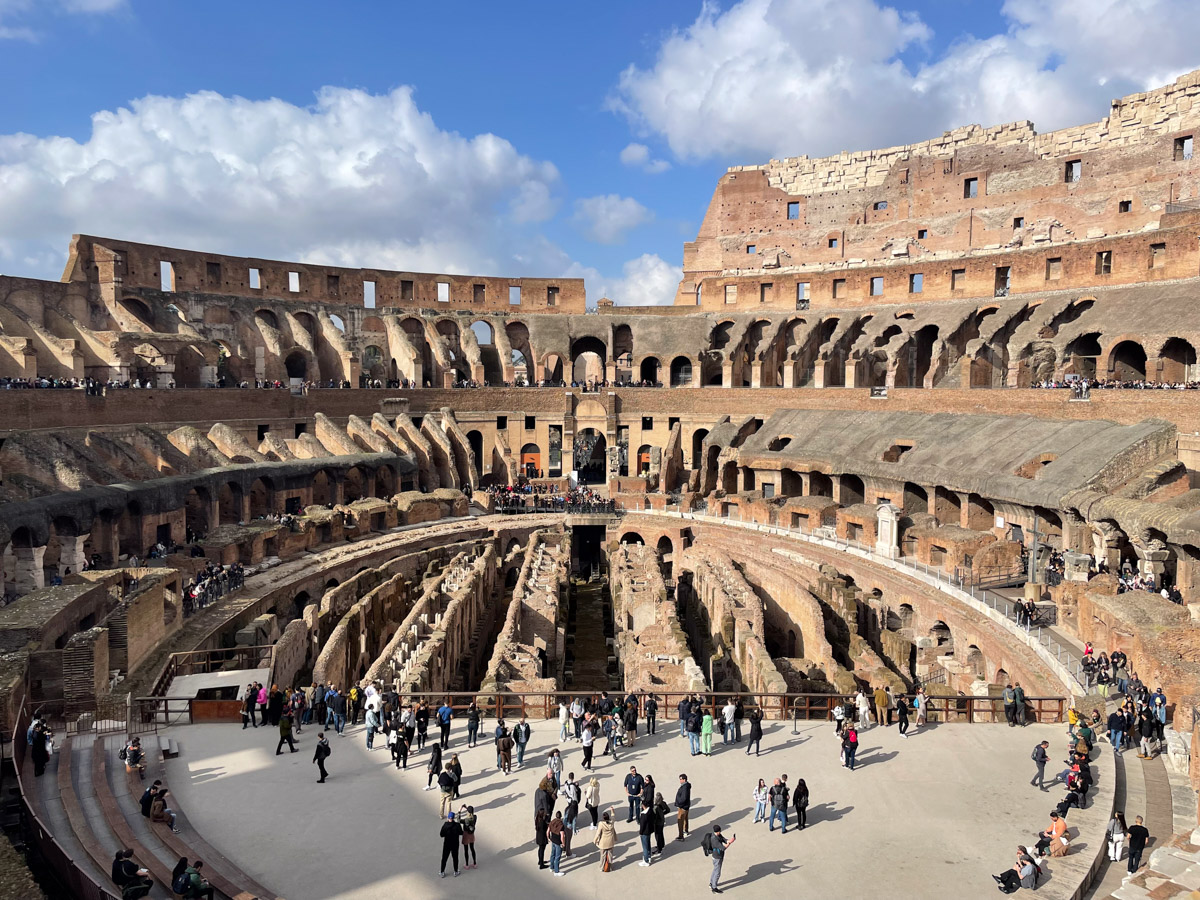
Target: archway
262 497
852 490
321 494
229 503
354 487
1178 361
196 506
589 357
666 552
296 365
643 459
475 440
531 460
1127 362
942 638
681 372
698 437
593 468
648 372
916 499
976 661
632 537
552 369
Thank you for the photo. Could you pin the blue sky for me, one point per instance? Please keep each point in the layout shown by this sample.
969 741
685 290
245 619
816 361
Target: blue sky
357 136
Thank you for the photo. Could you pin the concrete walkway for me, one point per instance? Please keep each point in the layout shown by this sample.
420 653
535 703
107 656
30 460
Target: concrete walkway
931 816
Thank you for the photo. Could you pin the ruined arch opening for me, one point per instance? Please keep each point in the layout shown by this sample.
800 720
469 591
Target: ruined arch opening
820 485
229 503
1127 362
354 486
296 365
262 497
681 372
1178 361
648 371
852 490
698 437
916 499
475 441
196 507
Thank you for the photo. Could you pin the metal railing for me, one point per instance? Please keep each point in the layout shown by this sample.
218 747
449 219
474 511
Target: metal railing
1039 636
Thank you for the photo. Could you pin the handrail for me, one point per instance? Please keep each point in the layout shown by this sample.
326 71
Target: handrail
1040 638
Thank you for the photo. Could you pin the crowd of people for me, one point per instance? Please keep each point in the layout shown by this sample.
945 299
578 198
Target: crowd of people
534 497
1081 387
210 584
93 387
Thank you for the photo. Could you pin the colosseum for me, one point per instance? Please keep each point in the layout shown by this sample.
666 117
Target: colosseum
922 422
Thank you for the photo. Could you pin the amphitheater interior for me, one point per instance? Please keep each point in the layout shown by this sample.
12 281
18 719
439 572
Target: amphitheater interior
899 394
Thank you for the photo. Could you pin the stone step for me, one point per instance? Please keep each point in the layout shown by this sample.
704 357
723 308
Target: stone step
59 810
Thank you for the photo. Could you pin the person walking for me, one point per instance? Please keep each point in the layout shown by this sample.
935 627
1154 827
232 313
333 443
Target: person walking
683 803
570 813
902 715
467 819
422 720
849 746
591 800
1137 838
645 832
800 802
564 716
472 724
719 848
452 835
444 715
1116 729
555 832
605 840
521 735
249 704
1040 757
285 734
434 766
1117 830
760 802
756 732
693 731
588 739
777 797
634 785
320 754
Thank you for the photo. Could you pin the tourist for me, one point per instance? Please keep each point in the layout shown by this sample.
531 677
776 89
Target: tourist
500 731
434 767
285 734
1040 758
456 770
694 725
148 796
337 708
902 715
320 754
606 840
181 868
372 722
1116 728
248 706
545 796
555 832
504 746
760 802
398 742
727 721
541 824
849 746
1116 833
864 709
589 745
921 705
756 732
661 811
1019 699
564 716
197 887
160 812
472 724
1022 874
521 735
591 800
1053 838
275 705
706 733
891 703
571 793
719 845
446 786
881 706
125 871
1137 838
645 832
777 799
634 784
135 757
262 703
800 802
467 819
1008 695
452 834
444 715
682 709
577 716
651 709
554 764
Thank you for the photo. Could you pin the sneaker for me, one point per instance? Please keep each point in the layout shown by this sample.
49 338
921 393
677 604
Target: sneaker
456 873
643 863
559 874
174 830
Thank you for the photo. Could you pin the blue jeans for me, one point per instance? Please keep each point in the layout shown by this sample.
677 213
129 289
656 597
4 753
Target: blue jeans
694 742
520 754
760 810
726 732
645 847
635 808
370 737
683 727
850 751
339 722
555 856
782 814
307 717
1115 737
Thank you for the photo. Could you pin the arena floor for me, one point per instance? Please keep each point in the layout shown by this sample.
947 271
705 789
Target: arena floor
928 817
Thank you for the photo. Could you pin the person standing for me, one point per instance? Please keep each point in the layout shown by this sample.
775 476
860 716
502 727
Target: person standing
467 819
661 811
452 835
1010 705
434 767
446 786
800 801
683 803
864 709
372 726
727 713
706 733
555 832
591 800
1138 836
634 784
320 754
444 715
719 847
645 832
399 742
881 706
521 735
850 746
285 734
606 840
921 704
504 744
902 715
1040 758
1116 729
472 724
541 836
1019 699
777 797
651 714
262 702
588 738
683 708
248 706
756 732
564 716
760 802
570 813
693 731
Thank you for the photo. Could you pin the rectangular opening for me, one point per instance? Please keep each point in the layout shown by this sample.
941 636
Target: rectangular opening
1183 148
802 293
916 283
876 285
1158 255
255 280
647 423
477 293
793 210
443 292
970 188
294 282
213 272
1073 171
262 432
833 243
1104 262
1124 206
514 295
531 422
768 489
552 296
880 205
501 422
751 248
369 294
1018 222
301 428
1054 268
166 275
672 422
839 288
406 289
333 285
731 293
922 233
765 292
1002 281
958 279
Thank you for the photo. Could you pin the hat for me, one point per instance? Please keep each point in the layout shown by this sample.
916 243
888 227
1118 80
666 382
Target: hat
450 815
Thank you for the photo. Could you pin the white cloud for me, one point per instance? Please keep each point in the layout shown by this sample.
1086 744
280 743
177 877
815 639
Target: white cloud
788 77
15 11
647 280
607 217
355 178
637 156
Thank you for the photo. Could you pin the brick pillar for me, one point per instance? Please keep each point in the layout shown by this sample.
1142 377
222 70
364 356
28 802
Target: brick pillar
964 509
71 555
213 513
337 490
852 373
28 574
727 373
244 507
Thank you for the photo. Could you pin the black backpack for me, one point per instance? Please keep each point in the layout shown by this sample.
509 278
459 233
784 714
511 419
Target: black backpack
181 882
706 843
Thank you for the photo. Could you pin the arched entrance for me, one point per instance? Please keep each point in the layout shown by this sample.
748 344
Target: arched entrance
590 448
475 440
531 460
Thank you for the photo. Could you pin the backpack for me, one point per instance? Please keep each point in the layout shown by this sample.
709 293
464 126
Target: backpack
706 843
1033 755
181 882
124 754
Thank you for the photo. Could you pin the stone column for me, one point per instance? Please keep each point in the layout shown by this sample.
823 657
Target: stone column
964 509
887 532
851 378
71 555
727 373
1152 557
28 574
